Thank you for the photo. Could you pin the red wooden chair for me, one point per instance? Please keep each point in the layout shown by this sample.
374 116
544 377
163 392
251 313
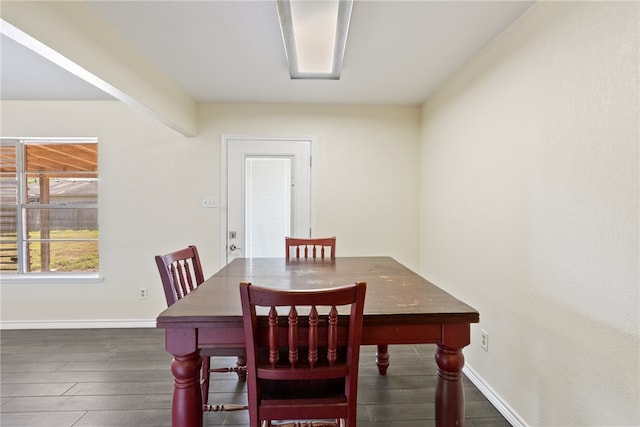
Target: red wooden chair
310 248
302 367
181 273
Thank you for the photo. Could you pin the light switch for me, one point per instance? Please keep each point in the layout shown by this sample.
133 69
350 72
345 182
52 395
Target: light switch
209 202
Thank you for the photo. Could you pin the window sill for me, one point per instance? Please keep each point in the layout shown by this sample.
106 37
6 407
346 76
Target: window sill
48 278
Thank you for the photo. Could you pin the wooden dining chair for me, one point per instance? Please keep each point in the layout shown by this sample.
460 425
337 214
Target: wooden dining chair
302 367
181 273
310 248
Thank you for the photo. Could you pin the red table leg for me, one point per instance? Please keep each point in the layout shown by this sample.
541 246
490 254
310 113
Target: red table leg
382 358
187 401
450 360
449 391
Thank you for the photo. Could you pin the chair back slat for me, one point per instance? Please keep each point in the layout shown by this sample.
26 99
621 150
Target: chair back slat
332 336
176 287
177 271
313 337
293 336
310 247
187 276
274 354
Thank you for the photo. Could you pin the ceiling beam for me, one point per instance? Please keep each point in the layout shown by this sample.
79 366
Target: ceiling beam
72 36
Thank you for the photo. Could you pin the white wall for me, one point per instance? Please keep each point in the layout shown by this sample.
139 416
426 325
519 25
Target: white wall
367 168
152 181
530 211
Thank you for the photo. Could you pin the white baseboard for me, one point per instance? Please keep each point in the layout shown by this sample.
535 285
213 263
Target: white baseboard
78 324
510 415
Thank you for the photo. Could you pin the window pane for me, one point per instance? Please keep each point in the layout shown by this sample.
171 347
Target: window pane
61 191
8 207
8 239
67 256
64 157
8 225
8 190
63 223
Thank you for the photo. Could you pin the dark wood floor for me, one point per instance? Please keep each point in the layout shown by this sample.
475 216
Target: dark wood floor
121 377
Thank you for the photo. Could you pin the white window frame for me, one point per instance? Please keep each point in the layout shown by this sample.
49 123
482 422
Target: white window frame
22 276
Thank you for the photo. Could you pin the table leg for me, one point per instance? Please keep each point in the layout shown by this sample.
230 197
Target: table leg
187 399
449 391
382 358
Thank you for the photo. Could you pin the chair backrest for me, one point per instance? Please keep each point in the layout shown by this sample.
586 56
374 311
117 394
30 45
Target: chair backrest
293 357
181 272
310 248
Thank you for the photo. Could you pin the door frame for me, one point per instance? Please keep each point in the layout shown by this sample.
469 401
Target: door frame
225 140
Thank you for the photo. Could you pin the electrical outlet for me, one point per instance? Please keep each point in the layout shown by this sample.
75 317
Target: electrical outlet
484 340
143 293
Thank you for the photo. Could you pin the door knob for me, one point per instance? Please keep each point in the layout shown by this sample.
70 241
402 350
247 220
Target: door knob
233 247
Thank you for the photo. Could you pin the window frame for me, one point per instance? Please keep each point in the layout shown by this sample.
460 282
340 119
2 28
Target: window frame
23 207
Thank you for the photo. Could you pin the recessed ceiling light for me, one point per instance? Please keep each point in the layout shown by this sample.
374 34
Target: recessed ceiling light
315 36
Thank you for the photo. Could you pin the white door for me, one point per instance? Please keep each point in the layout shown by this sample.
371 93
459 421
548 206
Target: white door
268 195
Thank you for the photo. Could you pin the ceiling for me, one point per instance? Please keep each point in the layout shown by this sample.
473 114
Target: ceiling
398 52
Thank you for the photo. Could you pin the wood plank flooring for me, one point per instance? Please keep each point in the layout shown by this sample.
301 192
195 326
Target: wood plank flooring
122 378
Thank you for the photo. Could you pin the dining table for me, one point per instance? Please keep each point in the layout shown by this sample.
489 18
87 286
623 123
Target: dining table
401 307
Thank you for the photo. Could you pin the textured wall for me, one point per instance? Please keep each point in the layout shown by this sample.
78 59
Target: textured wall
529 210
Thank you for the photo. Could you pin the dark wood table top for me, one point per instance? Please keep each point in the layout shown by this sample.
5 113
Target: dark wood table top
394 292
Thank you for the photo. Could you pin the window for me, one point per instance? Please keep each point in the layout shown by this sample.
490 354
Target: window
49 206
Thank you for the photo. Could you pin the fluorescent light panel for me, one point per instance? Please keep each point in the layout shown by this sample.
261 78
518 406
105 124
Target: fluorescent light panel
315 36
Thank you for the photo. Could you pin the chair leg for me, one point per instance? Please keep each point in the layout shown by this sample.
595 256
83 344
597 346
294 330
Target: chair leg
241 362
204 379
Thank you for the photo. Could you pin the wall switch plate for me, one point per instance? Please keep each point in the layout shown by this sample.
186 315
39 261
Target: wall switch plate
209 202
143 293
